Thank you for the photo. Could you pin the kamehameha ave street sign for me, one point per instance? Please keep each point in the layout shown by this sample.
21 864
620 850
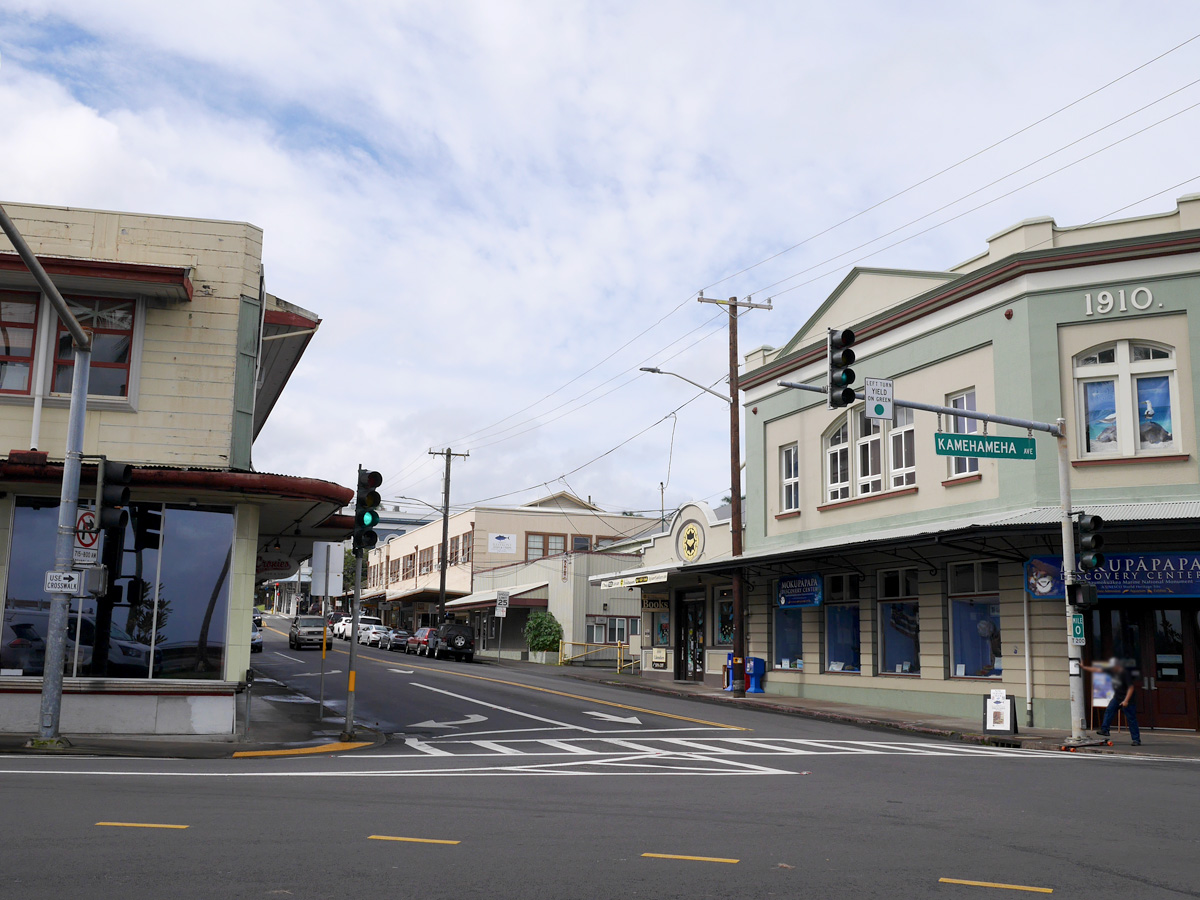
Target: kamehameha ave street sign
985 445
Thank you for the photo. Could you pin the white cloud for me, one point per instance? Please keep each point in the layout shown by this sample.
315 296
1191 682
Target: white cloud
498 194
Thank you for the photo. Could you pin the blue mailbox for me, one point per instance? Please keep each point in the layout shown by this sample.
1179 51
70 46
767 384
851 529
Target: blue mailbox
756 669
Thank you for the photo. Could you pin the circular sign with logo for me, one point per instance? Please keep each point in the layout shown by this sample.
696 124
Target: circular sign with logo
690 542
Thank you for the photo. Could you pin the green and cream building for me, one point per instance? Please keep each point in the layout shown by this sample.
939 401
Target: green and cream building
885 574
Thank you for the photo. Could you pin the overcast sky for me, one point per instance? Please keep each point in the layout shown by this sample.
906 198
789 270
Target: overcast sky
483 201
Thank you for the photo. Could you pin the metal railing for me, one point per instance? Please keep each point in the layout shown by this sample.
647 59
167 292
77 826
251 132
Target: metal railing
617 654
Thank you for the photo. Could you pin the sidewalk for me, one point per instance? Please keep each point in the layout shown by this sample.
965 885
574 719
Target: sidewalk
282 723
1174 744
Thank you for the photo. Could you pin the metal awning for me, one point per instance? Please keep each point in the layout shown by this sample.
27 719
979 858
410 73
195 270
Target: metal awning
1032 520
534 594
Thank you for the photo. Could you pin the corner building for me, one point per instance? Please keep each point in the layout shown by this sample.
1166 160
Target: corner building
884 574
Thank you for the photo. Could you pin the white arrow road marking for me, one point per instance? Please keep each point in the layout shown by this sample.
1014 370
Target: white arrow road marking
515 712
285 656
609 717
471 719
401 671
315 674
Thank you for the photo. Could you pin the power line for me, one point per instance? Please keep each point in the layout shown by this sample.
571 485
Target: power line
953 166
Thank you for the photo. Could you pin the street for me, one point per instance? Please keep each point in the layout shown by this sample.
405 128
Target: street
635 795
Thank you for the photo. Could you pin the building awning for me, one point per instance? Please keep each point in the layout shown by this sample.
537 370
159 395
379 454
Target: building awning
96 276
654 574
535 594
1034 520
287 330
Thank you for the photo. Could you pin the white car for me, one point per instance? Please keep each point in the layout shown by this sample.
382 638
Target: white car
346 626
339 627
371 634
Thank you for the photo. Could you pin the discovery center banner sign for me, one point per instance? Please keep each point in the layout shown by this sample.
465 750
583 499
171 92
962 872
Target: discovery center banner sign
1122 575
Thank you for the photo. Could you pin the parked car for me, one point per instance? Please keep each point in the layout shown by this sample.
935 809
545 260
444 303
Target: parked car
455 639
347 625
22 648
340 627
258 618
255 639
397 639
418 641
306 630
370 634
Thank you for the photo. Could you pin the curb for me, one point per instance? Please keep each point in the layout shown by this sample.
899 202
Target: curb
820 715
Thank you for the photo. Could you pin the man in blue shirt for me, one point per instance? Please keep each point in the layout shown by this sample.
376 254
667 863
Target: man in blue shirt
1124 683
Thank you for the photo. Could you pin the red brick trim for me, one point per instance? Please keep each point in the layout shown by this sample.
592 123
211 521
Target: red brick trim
1130 460
870 498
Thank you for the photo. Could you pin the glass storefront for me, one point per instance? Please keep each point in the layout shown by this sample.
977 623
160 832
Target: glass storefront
168 603
789 638
842 638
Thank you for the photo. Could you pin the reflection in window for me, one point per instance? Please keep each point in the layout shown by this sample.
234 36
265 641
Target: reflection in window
963 465
900 638
842 641
169 604
789 639
1100 416
1125 398
724 625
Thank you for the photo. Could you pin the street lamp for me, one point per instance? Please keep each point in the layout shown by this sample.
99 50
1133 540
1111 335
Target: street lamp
654 371
737 671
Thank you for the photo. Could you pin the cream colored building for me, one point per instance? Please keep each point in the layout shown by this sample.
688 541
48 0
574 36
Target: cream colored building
190 354
886 574
403 575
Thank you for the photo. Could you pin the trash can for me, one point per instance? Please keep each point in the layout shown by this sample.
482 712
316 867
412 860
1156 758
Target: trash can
756 668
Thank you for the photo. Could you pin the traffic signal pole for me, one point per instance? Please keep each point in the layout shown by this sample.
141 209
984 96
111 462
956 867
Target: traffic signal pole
348 727
68 504
1056 429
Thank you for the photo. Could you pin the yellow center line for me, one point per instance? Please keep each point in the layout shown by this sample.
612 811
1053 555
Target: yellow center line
388 837
995 884
138 825
332 747
529 687
690 858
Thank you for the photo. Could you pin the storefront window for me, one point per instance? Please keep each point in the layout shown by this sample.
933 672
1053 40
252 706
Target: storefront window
660 624
789 638
899 623
842 641
724 626
168 604
975 635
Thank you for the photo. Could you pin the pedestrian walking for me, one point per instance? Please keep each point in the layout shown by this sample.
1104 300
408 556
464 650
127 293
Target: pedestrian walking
1124 684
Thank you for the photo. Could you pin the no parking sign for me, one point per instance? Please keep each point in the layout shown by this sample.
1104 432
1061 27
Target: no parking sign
87 539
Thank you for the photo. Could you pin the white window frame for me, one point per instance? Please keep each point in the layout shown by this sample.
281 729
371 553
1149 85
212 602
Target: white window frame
902 449
1124 372
868 449
789 478
838 490
963 465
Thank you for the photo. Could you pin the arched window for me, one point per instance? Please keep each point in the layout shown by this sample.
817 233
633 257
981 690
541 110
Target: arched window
1125 395
837 461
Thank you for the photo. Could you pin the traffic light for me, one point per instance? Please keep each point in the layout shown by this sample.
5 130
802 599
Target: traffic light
366 510
1091 542
1083 596
841 376
112 494
147 527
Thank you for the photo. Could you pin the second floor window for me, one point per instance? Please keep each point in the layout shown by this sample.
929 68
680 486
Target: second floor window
453 561
465 547
1125 398
409 569
903 459
865 456
837 460
870 454
963 465
789 464
18 327
539 545
111 325
425 561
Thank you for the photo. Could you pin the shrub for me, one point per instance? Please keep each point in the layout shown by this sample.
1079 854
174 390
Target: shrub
543 632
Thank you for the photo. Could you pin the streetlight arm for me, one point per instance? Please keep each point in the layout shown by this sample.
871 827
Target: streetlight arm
436 509
709 390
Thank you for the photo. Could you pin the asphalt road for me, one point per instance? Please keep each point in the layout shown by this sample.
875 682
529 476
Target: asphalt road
509 783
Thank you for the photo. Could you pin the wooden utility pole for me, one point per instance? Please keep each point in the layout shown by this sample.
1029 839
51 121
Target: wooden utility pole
449 454
738 674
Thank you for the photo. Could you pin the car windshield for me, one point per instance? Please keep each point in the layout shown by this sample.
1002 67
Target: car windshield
311 621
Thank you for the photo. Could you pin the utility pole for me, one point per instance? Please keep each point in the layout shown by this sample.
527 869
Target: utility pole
449 454
738 675
68 504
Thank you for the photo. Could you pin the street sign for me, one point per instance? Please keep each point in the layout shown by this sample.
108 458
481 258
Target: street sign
86 552
501 604
62 583
1078 635
878 393
986 445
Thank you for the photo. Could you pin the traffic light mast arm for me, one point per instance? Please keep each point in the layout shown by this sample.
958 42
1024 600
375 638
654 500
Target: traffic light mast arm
943 410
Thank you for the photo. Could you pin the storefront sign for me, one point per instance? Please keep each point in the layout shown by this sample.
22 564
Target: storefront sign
985 445
658 658
502 543
800 590
632 581
649 604
275 567
1122 575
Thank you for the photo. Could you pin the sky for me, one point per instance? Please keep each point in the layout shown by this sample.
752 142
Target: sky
500 210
